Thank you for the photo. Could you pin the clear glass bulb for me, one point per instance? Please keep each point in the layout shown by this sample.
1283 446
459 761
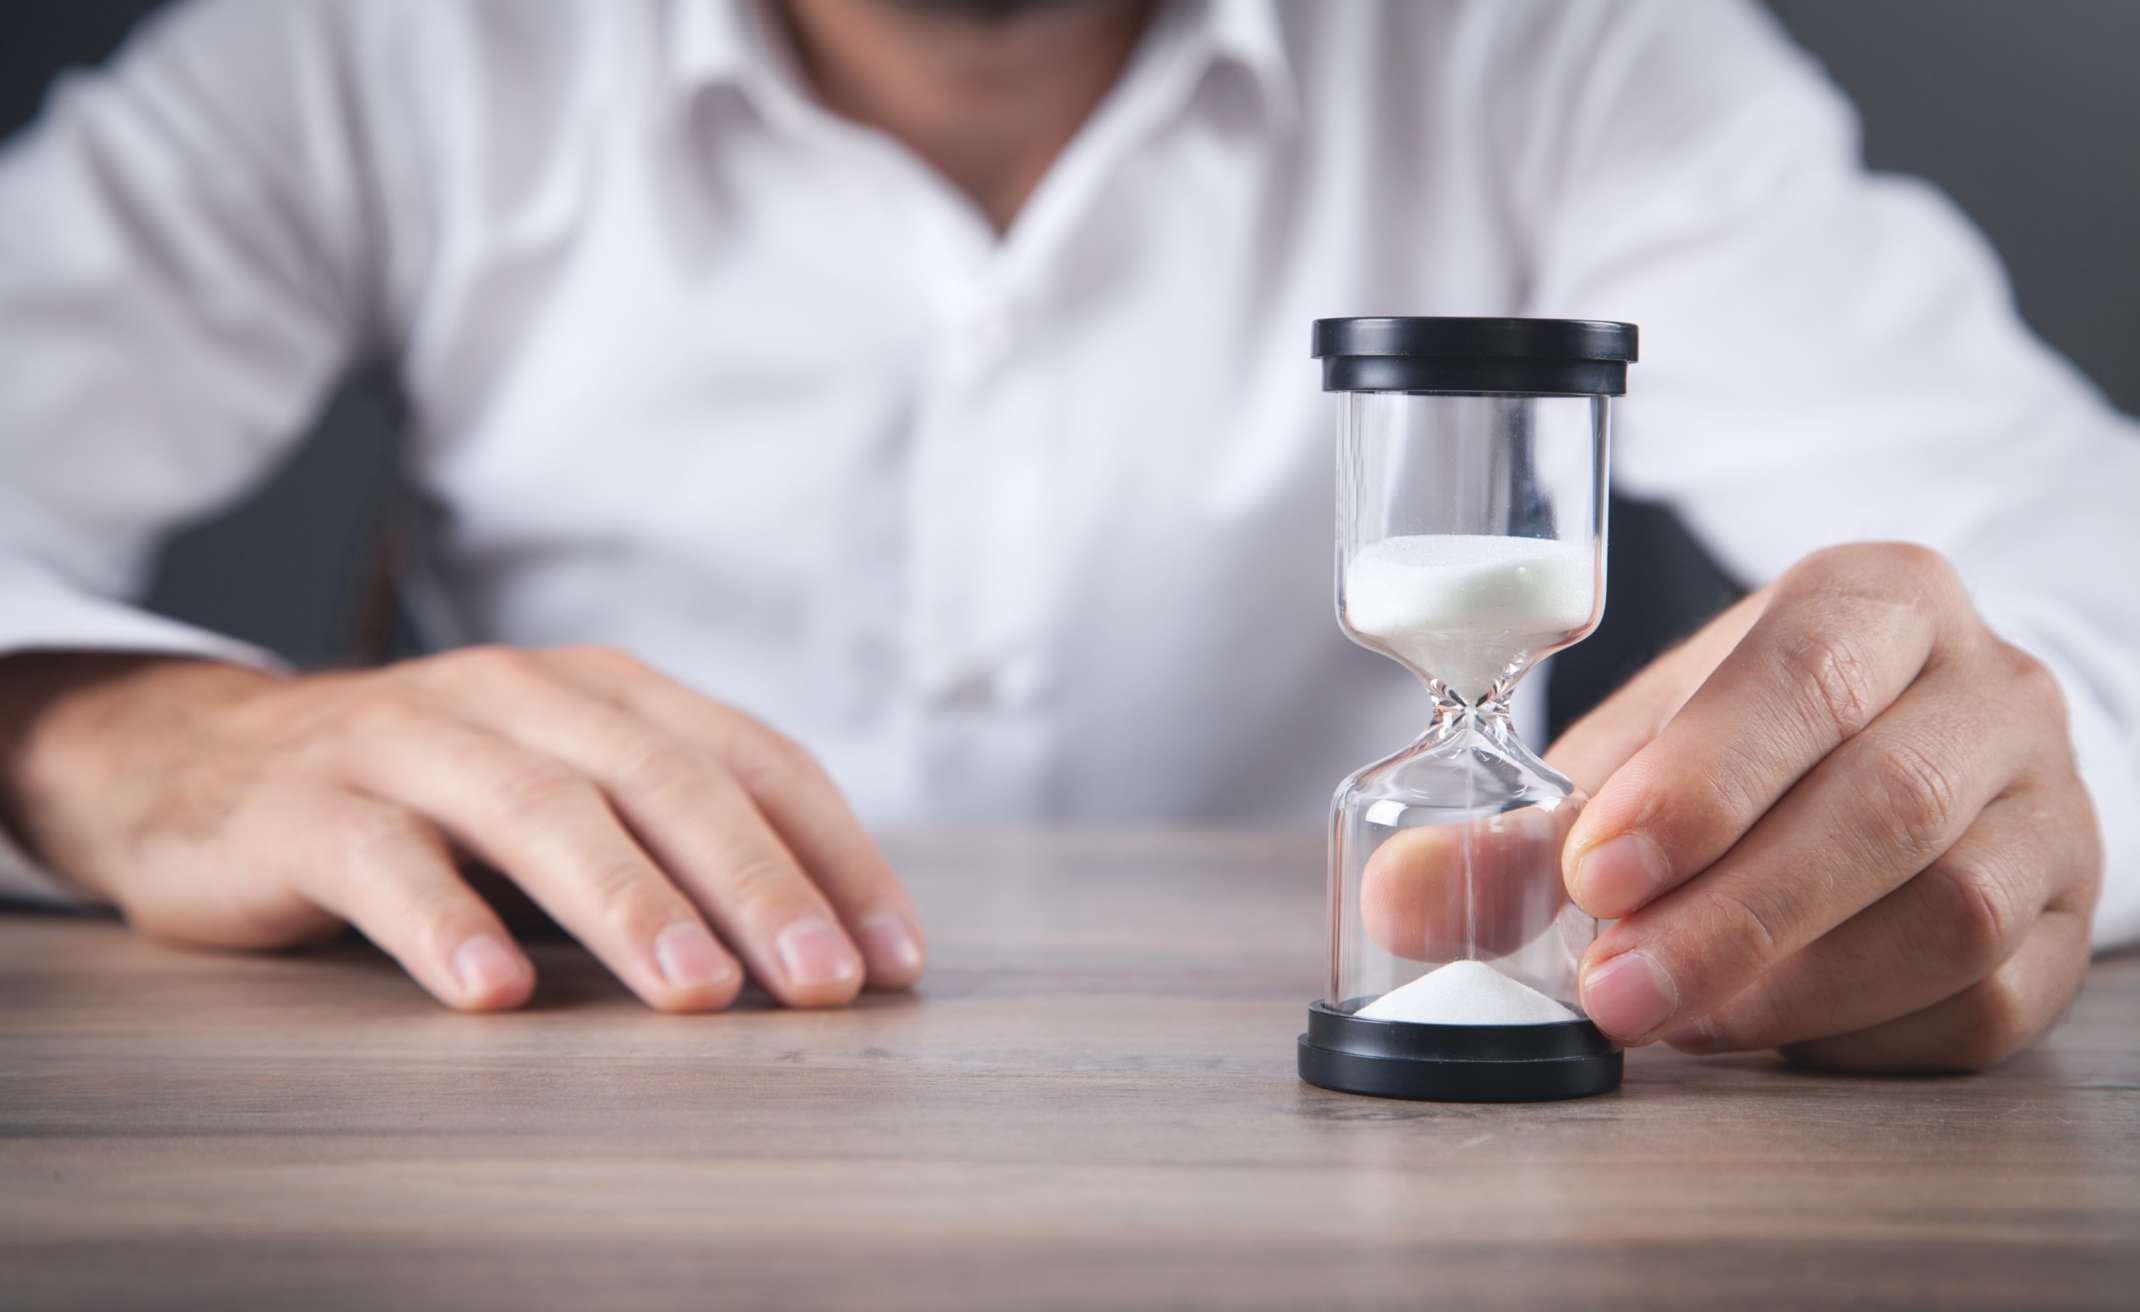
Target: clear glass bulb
1471 544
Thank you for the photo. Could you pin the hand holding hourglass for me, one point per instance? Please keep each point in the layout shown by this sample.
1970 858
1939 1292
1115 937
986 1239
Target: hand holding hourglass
1844 820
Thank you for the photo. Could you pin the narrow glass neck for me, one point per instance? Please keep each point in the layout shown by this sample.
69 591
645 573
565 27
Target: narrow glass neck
1490 715
1488 727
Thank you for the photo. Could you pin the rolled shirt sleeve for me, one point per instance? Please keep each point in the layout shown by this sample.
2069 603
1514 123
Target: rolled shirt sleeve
183 274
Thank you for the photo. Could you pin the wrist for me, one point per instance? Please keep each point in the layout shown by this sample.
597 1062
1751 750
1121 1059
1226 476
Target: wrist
83 735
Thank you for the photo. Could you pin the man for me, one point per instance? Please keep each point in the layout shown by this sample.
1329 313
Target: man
929 380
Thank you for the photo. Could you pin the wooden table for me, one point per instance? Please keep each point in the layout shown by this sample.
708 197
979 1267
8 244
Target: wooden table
1090 1102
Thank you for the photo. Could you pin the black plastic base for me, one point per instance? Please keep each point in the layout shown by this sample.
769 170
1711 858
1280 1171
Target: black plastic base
1456 1063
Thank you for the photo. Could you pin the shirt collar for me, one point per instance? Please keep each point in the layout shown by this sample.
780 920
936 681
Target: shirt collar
1248 33
720 41
729 41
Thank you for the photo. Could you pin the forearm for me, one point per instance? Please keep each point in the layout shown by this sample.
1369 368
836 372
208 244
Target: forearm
177 288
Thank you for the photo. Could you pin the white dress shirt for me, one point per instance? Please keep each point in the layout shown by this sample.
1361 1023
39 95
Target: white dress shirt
1026 527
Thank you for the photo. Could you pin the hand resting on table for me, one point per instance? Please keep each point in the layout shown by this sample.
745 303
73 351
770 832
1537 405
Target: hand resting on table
670 834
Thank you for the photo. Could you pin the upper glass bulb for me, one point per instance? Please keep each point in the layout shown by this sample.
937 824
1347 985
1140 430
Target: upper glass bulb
1471 532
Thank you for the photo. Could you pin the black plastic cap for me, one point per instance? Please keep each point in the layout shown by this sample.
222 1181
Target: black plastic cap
1548 357
1457 1063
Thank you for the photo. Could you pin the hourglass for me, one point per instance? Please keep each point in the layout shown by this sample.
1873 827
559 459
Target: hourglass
1471 545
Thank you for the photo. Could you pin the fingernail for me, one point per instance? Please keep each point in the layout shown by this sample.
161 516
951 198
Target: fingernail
813 953
893 950
1620 874
689 958
486 966
1630 995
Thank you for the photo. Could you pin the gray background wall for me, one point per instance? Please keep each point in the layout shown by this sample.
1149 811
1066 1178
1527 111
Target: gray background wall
2025 112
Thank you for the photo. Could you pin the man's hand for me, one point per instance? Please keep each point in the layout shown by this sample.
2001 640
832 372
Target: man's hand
1843 821
668 833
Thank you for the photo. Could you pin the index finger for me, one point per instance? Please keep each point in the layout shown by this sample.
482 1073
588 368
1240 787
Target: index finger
1843 635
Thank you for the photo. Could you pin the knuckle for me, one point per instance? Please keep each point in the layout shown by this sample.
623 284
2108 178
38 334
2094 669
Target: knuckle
765 758
1975 915
662 767
367 831
1916 795
384 712
598 656
624 891
1834 678
1826 563
491 657
432 905
1747 923
440 914
760 886
358 846
486 661
1879 569
1873 568
540 786
2031 681
790 752
1713 801
1914 561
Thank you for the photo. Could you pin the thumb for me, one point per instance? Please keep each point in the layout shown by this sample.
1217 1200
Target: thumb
1621 725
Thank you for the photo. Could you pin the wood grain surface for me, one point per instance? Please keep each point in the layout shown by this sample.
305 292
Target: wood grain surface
1091 1102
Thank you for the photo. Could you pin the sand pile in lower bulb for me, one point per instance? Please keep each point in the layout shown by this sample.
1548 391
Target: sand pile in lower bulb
1467 993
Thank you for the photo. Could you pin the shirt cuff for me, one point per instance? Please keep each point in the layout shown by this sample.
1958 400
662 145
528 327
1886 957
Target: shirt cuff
40 613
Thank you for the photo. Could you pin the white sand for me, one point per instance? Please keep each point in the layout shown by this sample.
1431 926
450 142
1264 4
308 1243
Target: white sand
1464 607
1467 993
